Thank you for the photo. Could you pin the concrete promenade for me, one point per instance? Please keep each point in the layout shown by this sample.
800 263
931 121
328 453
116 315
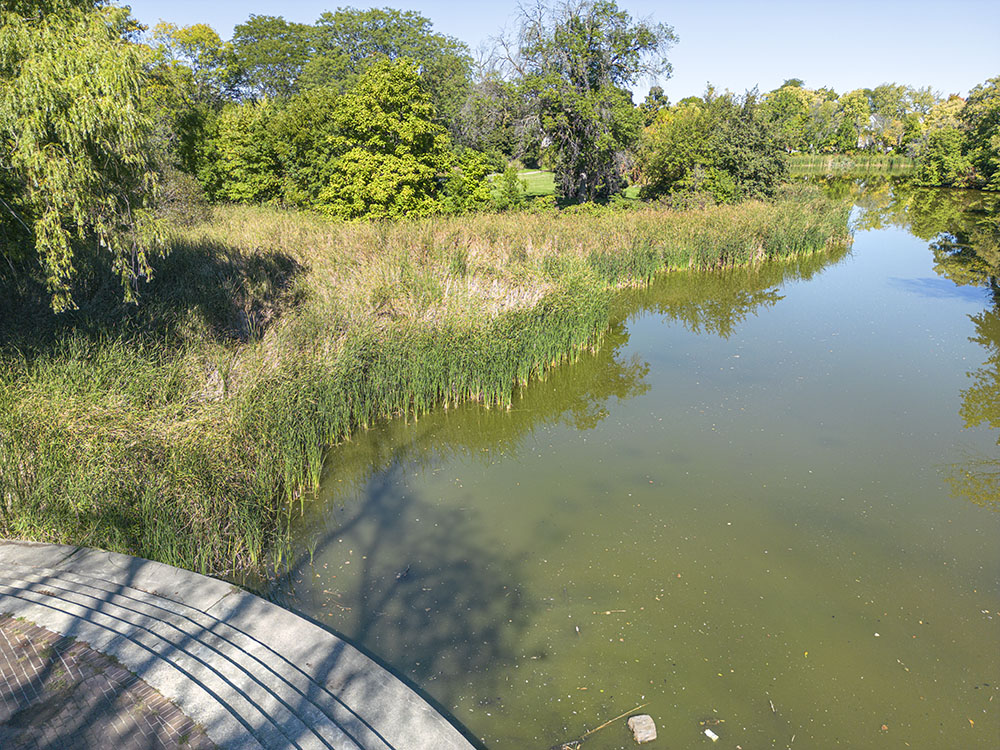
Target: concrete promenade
247 672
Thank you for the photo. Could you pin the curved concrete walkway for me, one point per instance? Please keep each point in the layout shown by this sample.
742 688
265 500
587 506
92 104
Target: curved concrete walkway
252 674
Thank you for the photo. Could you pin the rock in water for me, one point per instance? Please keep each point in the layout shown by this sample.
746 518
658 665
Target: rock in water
643 728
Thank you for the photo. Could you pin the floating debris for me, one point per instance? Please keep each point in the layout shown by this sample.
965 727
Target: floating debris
643 728
571 744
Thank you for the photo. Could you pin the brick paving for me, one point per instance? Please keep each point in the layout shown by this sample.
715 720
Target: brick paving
57 693
250 674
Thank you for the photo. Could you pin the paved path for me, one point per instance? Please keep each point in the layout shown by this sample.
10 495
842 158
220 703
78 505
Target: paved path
58 693
252 674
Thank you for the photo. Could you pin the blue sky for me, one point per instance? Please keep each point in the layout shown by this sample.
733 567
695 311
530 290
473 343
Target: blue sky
949 45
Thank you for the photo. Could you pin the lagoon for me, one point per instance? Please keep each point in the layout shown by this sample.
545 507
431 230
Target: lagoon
761 505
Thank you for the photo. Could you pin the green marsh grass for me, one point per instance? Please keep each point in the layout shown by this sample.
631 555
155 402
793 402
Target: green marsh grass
190 428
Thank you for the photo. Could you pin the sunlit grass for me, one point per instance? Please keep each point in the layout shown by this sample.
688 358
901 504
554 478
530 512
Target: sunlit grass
538 182
190 429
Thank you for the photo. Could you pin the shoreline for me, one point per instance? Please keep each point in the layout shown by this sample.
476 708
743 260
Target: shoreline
192 440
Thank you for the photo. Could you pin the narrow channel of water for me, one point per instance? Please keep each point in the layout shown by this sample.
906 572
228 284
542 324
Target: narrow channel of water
767 503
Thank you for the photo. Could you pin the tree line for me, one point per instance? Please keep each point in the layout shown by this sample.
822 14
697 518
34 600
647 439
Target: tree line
954 141
373 114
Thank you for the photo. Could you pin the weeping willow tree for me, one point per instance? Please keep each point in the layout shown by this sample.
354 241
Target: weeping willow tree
75 169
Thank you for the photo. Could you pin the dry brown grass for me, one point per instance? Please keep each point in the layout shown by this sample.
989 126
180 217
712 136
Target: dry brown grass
183 435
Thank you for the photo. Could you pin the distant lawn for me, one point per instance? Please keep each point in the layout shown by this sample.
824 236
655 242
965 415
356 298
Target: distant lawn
541 182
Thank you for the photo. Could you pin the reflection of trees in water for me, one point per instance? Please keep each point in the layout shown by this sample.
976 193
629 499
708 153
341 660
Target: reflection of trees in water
962 226
575 393
981 401
428 597
717 302
972 257
963 229
977 478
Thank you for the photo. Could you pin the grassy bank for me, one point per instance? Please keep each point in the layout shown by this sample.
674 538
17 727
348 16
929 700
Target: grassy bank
189 428
846 164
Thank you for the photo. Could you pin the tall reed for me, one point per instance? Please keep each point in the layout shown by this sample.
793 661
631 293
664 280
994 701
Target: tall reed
189 429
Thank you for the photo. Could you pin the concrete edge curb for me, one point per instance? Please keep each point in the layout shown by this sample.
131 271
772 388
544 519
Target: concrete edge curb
347 683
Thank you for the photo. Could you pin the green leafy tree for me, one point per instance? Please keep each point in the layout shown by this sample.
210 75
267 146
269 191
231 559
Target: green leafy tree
942 162
199 52
510 191
374 151
676 144
267 55
74 142
389 149
828 129
491 117
749 148
304 131
981 118
349 40
468 187
945 113
655 101
577 62
592 134
187 84
789 108
888 112
725 147
855 111
240 161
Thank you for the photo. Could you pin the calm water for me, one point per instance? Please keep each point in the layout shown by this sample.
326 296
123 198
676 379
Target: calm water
764 502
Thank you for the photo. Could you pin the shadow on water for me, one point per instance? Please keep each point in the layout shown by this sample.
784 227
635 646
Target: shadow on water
419 593
426 588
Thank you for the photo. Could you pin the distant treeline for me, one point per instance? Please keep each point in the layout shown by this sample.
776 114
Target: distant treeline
953 141
106 127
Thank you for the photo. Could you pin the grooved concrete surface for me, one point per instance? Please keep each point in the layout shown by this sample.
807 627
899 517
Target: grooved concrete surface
252 674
